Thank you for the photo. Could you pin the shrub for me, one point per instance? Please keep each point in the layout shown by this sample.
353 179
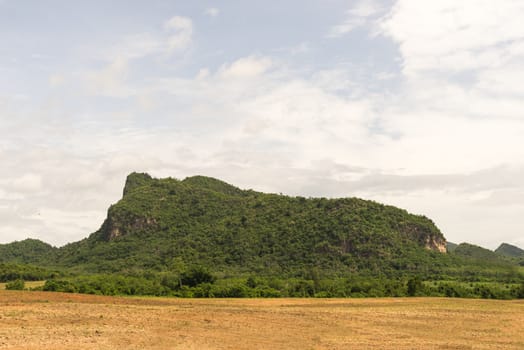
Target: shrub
196 276
15 285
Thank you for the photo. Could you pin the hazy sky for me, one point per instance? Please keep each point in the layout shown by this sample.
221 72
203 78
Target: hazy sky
414 103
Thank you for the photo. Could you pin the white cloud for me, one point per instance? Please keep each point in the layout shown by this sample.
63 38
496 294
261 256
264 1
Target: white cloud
27 183
247 67
362 13
175 38
181 31
110 81
212 11
450 35
445 141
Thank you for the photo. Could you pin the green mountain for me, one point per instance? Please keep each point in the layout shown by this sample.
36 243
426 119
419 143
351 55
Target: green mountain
202 237
450 247
207 222
28 251
511 251
475 252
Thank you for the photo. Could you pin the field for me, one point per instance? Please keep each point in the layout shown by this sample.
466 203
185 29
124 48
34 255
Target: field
39 320
28 284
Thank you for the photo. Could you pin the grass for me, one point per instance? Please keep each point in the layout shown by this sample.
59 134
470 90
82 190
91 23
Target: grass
28 284
59 321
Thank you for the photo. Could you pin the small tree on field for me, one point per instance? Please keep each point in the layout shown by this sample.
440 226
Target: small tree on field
15 285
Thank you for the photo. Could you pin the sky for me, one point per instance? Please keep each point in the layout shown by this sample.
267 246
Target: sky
412 103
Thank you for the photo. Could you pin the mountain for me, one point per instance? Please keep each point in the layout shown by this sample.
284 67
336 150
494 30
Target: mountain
28 251
475 252
202 237
207 222
480 258
511 251
450 247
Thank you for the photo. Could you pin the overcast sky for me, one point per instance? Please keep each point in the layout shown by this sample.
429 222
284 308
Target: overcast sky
413 103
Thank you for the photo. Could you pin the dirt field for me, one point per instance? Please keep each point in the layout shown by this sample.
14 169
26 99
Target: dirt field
39 320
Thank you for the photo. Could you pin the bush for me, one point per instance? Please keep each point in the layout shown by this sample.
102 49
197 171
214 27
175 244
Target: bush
196 276
15 285
59 286
415 286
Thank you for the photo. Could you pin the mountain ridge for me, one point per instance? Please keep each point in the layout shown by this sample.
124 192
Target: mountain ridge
204 237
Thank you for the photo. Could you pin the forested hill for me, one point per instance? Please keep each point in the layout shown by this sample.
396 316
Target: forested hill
207 222
509 250
28 251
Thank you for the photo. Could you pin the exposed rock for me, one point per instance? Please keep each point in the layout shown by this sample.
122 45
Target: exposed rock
436 243
114 228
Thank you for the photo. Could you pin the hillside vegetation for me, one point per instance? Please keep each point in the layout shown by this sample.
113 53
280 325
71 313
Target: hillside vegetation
203 237
206 222
28 251
511 251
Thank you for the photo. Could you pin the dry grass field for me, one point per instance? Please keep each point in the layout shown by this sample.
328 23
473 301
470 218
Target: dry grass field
39 320
28 284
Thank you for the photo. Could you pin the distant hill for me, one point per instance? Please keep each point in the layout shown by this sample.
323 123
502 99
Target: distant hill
450 247
28 251
205 221
509 250
474 251
482 257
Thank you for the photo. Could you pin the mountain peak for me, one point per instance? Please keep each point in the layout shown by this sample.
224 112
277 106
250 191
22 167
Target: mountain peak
135 180
212 184
507 249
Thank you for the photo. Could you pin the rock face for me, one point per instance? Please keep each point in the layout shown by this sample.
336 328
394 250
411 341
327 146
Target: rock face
436 243
425 236
115 227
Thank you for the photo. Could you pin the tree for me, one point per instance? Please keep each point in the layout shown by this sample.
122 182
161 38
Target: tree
15 285
196 276
415 286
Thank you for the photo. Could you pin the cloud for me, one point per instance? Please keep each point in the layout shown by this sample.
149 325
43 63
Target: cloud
113 78
246 67
181 30
27 183
450 36
361 14
442 138
110 81
212 11
175 38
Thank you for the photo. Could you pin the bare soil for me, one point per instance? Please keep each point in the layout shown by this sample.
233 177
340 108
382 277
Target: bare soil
40 320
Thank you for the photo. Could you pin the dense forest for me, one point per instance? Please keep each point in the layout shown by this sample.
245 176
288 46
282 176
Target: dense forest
202 237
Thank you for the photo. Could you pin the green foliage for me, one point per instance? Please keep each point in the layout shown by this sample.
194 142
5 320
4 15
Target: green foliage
202 237
205 222
196 276
415 286
28 251
476 252
450 247
15 285
510 251
518 292
11 272
136 180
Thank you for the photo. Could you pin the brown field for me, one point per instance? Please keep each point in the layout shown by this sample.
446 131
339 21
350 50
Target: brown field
39 320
